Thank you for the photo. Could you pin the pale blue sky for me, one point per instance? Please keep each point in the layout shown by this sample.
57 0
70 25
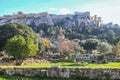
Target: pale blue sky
109 10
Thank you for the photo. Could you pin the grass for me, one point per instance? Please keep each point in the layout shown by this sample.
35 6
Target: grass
68 65
87 65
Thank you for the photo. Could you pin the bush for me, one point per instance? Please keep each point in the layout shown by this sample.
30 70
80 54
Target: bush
13 29
21 47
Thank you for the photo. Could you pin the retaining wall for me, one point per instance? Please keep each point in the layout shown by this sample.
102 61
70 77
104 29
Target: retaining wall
99 73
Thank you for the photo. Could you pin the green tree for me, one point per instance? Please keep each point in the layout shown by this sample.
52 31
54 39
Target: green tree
91 44
116 49
21 47
104 48
10 30
110 36
41 47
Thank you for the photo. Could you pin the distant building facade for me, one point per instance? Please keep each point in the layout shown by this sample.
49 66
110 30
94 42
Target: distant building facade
82 19
85 19
97 21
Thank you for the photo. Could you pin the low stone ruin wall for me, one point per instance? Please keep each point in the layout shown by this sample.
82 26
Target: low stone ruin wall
99 73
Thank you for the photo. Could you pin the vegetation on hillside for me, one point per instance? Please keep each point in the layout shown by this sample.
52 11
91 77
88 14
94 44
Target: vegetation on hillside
104 33
20 41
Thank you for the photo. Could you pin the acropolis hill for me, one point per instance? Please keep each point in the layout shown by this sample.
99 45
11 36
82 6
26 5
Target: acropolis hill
78 19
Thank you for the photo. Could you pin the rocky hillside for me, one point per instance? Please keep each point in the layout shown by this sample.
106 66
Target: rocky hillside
46 20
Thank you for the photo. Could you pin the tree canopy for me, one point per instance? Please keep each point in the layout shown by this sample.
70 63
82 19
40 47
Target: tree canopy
91 44
104 47
12 29
116 49
21 47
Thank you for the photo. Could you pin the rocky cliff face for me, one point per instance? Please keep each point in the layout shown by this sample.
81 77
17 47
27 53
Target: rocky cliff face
45 19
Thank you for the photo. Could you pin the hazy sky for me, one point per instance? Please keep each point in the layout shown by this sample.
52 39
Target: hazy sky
109 10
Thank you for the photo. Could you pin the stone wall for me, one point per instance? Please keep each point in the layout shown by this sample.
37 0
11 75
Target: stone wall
99 73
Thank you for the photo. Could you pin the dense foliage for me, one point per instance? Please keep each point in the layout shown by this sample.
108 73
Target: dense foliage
104 48
90 37
116 49
21 47
90 44
104 33
10 30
